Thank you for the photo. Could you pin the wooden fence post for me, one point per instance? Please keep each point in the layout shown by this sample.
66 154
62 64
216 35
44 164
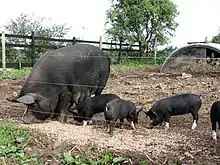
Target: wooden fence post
155 51
33 50
140 49
120 48
74 40
100 42
3 51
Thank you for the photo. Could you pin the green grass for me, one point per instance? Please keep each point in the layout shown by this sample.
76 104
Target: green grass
13 73
104 158
133 64
130 64
126 64
12 143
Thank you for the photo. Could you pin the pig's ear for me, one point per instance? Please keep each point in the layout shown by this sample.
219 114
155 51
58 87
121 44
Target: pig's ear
26 99
106 107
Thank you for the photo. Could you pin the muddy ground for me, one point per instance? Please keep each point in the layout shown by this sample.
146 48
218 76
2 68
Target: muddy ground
143 87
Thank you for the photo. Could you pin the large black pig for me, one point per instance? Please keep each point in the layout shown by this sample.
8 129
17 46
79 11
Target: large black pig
175 105
62 77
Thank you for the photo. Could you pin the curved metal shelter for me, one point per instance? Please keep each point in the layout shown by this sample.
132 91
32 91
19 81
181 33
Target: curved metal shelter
196 50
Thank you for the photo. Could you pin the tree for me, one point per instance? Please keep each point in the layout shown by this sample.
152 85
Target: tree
216 39
25 24
141 21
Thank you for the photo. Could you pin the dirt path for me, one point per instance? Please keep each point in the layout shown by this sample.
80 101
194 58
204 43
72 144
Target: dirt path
142 87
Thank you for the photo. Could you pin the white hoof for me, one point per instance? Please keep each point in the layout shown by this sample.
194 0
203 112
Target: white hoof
132 125
90 122
214 135
84 123
194 125
167 125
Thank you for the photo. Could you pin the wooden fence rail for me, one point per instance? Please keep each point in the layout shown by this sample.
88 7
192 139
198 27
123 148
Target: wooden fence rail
33 46
74 40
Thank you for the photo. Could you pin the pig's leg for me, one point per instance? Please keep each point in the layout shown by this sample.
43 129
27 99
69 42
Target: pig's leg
85 123
75 97
82 97
72 101
98 91
218 129
60 104
87 94
132 125
195 115
131 122
121 123
162 123
90 122
63 106
56 114
214 134
107 123
167 120
111 127
93 91
87 116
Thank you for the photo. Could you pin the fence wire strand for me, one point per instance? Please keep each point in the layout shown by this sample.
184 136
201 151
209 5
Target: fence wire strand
191 58
142 57
137 57
72 115
67 115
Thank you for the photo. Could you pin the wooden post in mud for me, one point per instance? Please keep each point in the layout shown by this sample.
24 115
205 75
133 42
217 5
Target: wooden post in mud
3 51
100 42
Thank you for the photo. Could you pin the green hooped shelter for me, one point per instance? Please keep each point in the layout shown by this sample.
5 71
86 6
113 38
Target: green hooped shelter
192 50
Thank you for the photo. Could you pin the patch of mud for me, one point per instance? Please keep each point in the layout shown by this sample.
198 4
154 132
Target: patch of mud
142 140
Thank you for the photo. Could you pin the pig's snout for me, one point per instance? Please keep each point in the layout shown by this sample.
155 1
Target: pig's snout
150 125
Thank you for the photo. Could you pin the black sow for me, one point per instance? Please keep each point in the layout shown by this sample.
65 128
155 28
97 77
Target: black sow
175 105
215 118
93 105
63 77
120 109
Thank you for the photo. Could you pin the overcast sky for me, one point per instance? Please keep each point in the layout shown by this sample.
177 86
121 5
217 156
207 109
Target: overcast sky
197 19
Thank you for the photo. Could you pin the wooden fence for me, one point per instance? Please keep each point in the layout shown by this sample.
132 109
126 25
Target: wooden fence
33 46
